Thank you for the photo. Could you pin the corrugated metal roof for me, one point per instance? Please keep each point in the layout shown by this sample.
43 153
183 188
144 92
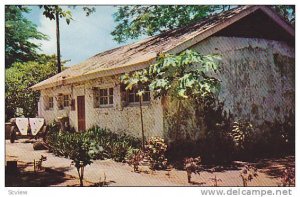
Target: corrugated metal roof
139 52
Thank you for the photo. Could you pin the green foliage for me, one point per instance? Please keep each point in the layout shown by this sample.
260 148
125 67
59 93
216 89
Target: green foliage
134 158
184 76
139 81
248 173
242 134
155 153
49 11
73 146
192 165
134 21
19 36
53 127
155 150
181 76
103 144
287 12
107 144
19 78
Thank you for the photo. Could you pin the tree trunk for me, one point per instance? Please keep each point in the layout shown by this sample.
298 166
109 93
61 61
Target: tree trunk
80 175
58 42
178 121
142 124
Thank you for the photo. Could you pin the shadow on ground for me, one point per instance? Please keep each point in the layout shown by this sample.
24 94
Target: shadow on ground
26 177
275 167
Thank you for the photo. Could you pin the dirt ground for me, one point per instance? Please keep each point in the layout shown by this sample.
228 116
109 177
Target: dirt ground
58 172
26 177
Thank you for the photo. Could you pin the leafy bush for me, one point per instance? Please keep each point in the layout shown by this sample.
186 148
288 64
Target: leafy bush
241 133
134 158
248 173
288 177
103 143
155 150
53 127
192 165
18 80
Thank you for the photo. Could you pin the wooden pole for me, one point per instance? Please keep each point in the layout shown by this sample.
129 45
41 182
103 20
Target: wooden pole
143 135
57 40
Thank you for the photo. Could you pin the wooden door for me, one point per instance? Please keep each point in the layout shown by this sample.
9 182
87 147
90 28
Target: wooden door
81 113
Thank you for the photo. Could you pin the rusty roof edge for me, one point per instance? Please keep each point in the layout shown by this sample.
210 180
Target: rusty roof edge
170 50
210 31
177 48
103 73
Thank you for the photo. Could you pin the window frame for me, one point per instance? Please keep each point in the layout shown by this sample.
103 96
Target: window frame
133 93
68 100
104 94
50 107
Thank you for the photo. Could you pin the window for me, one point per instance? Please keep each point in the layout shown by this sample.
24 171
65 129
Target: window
50 103
133 97
104 97
66 100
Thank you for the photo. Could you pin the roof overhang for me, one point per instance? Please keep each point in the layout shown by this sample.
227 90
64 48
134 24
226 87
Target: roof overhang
129 67
149 58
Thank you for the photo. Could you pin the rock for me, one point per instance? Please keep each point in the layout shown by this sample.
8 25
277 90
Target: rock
40 146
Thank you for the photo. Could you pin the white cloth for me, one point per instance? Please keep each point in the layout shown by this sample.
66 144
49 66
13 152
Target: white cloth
36 124
22 124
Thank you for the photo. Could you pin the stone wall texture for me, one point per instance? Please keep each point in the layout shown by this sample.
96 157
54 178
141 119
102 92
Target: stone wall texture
116 118
258 84
257 80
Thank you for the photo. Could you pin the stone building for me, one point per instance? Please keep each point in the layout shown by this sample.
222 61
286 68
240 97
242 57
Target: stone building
257 72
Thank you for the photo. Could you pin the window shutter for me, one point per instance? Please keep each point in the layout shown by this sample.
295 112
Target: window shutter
124 95
60 101
73 105
96 97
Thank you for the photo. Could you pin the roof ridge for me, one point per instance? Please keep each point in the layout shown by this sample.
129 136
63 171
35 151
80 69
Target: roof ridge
124 58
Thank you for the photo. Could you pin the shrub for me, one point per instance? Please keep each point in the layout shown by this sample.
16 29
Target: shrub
156 149
288 177
192 165
111 145
103 143
53 127
248 173
134 158
241 134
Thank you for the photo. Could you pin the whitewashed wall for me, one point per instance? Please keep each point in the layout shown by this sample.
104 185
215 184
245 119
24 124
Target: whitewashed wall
253 87
116 118
254 84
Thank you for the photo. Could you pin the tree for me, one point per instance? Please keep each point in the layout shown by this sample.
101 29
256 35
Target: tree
19 78
184 77
78 149
55 12
139 81
134 21
19 33
287 11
